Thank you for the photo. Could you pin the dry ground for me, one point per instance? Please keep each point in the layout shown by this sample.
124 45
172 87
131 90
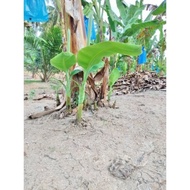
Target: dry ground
59 155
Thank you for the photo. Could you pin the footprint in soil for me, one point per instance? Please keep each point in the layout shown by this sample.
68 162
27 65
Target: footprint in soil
121 168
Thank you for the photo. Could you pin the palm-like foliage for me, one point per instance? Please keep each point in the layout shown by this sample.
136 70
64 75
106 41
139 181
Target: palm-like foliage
42 41
31 53
39 51
50 45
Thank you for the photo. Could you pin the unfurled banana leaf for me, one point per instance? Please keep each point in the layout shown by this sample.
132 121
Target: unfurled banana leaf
129 14
136 27
114 75
161 9
91 55
122 9
113 19
88 10
63 61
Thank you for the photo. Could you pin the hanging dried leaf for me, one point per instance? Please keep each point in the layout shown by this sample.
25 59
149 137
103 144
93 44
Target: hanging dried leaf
99 75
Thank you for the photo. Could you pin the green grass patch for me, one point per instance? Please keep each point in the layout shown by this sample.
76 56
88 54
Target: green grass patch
28 81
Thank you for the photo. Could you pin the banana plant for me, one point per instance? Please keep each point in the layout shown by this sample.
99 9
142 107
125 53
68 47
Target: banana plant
64 61
130 22
88 58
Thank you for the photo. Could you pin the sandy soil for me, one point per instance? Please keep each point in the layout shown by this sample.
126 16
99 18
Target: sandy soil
119 149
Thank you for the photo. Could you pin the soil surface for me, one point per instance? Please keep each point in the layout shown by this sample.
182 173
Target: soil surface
118 149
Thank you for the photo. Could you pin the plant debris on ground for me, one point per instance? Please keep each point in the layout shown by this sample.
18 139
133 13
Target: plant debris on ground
139 81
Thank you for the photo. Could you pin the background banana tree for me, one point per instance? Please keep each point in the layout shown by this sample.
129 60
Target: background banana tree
130 26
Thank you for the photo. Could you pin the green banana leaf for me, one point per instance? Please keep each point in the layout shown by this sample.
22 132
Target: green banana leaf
161 9
63 61
129 14
113 19
114 75
133 13
96 67
88 10
136 27
91 55
122 9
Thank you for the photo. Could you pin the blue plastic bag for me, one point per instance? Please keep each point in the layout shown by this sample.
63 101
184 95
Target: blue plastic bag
93 33
155 68
142 57
35 11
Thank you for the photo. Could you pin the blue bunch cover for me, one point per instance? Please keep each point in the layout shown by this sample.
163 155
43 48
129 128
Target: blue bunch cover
155 68
93 33
142 57
35 11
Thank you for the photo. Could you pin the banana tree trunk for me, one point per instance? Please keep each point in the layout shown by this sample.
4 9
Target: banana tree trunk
104 87
73 19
